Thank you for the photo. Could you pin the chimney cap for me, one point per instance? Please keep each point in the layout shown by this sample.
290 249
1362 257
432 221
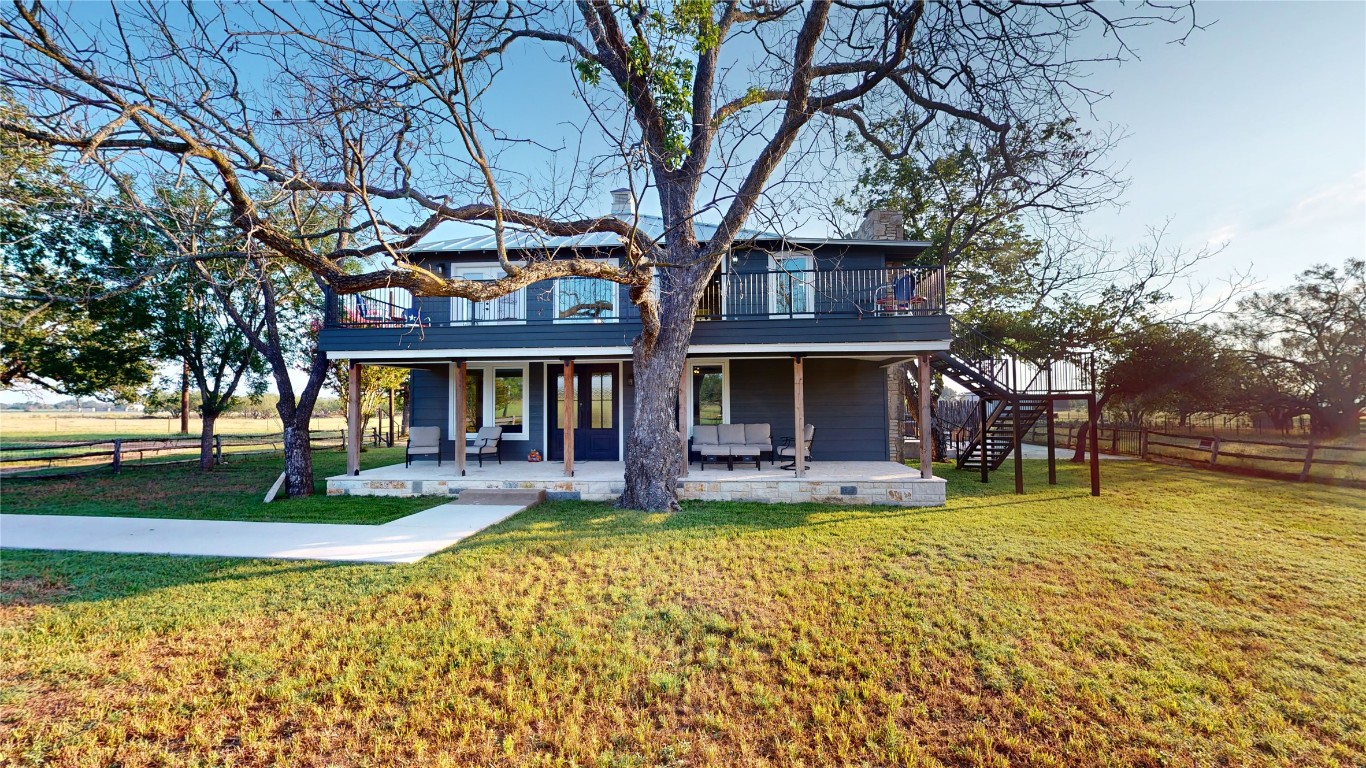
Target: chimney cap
623 202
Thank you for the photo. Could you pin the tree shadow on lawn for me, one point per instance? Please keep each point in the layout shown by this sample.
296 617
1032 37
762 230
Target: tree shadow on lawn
30 577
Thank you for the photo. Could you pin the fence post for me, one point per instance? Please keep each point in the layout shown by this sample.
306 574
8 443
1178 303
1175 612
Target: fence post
1143 443
118 456
1114 441
1214 451
218 449
1308 462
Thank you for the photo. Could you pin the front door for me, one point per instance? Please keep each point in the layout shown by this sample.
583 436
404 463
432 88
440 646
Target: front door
596 413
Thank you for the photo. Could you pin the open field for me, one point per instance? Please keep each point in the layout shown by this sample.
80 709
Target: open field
232 491
26 426
1183 618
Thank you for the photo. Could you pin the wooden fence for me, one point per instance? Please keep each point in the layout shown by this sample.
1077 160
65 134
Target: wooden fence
65 459
1304 461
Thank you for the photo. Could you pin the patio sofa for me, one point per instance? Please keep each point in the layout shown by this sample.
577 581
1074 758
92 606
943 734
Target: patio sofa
728 442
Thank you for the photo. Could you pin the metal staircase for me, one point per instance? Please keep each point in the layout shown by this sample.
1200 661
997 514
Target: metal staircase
1014 391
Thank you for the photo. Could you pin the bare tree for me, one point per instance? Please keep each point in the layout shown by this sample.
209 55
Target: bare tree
722 110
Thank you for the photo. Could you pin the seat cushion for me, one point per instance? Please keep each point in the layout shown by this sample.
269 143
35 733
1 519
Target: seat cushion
731 434
704 434
743 450
758 434
424 436
422 450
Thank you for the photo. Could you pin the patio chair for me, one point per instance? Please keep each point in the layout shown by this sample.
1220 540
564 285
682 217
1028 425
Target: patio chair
788 450
423 441
489 442
899 298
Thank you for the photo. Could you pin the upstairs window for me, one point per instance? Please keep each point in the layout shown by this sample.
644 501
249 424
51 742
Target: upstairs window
585 299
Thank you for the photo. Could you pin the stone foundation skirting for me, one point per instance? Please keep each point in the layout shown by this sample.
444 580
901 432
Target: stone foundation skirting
902 493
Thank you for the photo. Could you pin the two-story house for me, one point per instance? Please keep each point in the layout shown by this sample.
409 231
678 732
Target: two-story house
789 326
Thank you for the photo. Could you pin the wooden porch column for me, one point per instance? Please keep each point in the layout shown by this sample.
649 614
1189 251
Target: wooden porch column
391 417
982 437
799 415
570 414
684 391
353 419
1052 443
926 434
1017 438
461 377
1092 416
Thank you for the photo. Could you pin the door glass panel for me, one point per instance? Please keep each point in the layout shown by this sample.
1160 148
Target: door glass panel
707 391
559 403
508 400
792 285
600 406
474 401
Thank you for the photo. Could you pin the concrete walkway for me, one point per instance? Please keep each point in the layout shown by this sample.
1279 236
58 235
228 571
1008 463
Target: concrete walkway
405 540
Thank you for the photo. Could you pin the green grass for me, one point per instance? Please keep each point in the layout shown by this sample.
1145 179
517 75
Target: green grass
1183 618
231 492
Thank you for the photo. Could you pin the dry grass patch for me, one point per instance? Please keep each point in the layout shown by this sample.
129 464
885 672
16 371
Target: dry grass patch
1183 618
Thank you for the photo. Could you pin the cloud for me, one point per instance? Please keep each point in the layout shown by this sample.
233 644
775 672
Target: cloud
1336 201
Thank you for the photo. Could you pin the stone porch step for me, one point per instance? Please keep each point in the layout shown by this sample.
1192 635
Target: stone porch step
501 496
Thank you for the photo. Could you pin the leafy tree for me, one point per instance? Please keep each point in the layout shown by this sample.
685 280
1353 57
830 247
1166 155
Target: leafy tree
1309 341
190 320
1172 368
64 324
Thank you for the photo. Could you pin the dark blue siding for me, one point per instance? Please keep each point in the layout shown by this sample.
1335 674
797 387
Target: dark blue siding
845 401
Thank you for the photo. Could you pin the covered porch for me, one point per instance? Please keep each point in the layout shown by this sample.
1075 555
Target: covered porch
837 482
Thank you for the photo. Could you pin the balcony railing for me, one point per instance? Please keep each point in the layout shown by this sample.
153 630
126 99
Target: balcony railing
771 294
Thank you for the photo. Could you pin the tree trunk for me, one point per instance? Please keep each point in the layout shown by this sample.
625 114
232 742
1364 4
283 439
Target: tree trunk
298 460
185 397
297 417
206 440
654 455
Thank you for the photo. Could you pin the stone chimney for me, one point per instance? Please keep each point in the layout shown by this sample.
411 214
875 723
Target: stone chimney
882 224
623 202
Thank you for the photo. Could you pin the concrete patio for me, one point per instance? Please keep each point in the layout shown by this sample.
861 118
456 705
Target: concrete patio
830 482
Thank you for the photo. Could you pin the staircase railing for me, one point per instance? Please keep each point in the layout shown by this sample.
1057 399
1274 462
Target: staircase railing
1072 370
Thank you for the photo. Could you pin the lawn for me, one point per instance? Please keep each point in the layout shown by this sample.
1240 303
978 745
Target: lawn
233 491
1183 618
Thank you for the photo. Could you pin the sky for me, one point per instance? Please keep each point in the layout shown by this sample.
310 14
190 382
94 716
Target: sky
1250 136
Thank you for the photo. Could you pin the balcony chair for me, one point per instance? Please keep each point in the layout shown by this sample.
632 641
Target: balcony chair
489 442
899 298
788 450
423 441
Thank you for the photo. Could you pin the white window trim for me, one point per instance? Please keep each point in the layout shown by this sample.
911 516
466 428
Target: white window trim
725 389
616 302
774 268
489 370
496 269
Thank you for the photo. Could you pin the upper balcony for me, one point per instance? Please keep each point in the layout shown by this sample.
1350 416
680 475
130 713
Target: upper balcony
738 307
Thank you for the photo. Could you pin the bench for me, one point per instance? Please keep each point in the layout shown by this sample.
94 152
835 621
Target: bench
728 442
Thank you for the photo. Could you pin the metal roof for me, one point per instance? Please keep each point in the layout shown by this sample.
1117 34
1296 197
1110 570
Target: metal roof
651 226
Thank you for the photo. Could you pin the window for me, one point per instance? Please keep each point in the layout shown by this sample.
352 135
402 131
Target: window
585 298
510 308
508 400
708 394
494 395
474 400
790 281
